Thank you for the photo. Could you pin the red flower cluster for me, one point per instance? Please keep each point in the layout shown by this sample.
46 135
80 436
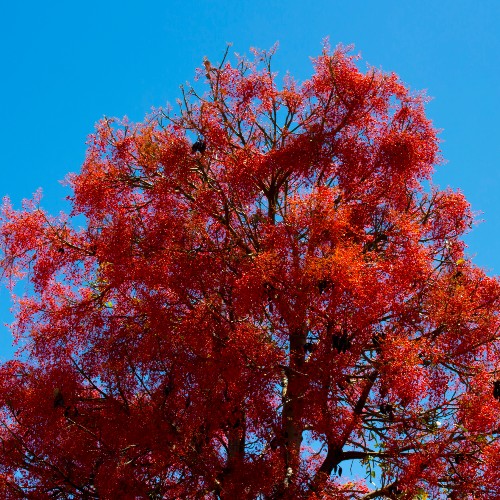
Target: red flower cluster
262 293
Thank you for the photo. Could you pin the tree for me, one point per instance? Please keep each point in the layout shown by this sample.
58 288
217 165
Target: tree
263 292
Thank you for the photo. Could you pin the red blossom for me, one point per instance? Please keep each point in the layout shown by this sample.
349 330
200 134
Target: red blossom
244 319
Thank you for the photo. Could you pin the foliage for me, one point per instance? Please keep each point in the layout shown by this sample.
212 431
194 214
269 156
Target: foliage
263 292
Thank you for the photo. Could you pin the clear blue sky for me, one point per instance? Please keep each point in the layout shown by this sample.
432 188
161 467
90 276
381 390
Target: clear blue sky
66 64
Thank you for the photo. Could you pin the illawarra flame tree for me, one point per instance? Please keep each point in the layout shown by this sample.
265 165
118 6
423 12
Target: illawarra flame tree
267 300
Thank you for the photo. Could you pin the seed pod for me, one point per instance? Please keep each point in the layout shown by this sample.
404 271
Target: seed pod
275 443
323 284
496 389
199 146
388 410
309 347
58 398
167 389
341 342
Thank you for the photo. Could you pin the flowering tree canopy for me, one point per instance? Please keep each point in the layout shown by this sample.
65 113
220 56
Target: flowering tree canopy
266 297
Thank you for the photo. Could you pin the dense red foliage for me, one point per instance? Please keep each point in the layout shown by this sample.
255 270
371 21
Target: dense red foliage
262 293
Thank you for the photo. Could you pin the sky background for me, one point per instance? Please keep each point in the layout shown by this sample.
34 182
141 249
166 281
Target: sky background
67 64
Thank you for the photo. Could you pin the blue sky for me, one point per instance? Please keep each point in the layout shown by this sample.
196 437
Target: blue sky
66 64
